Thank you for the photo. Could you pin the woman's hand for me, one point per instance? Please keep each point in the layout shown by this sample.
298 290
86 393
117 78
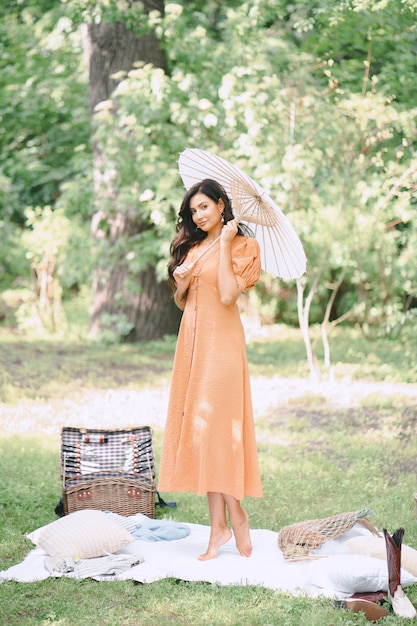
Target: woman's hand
182 276
229 231
227 284
181 270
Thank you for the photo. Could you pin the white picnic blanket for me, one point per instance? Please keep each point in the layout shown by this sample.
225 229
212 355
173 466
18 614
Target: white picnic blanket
338 574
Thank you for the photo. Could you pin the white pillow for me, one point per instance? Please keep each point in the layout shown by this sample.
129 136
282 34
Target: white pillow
81 535
375 546
352 574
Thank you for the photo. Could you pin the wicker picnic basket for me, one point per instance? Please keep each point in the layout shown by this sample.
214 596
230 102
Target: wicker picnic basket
297 540
111 470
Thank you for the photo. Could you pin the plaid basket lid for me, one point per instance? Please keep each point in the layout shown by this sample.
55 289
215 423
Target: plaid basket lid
86 451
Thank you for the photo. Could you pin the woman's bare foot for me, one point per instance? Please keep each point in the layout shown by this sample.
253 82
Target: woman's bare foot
217 538
242 535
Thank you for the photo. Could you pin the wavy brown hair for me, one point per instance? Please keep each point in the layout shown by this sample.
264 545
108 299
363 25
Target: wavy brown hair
188 235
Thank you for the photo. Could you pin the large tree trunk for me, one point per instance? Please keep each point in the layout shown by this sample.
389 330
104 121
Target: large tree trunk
111 48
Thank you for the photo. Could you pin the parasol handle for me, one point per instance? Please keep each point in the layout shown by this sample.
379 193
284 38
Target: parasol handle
203 254
237 217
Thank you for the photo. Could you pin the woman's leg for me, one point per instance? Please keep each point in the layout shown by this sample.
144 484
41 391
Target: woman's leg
239 520
220 532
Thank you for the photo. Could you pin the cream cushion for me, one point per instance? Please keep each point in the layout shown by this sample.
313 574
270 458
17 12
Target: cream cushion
81 535
375 546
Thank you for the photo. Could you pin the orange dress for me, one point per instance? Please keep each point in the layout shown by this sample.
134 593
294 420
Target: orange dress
209 440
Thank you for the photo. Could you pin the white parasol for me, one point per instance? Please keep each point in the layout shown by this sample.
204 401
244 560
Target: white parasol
282 253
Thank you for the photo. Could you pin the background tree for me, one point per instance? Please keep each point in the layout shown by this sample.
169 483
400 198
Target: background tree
134 306
315 100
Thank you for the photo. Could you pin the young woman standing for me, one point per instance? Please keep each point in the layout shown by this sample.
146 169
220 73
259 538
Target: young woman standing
209 442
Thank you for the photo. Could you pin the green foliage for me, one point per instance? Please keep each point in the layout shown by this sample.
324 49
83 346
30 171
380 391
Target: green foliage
316 100
47 234
130 12
42 104
139 143
348 32
12 256
43 120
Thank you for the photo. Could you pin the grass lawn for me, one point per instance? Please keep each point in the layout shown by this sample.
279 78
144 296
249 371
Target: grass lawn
316 460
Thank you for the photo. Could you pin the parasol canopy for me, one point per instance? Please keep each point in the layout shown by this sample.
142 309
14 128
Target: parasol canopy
282 253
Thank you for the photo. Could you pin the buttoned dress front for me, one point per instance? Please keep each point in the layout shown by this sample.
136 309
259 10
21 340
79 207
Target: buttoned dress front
209 439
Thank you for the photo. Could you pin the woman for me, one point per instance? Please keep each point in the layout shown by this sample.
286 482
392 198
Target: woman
209 442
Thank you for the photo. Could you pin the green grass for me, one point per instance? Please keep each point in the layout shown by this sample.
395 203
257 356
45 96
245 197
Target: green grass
352 355
169 602
315 461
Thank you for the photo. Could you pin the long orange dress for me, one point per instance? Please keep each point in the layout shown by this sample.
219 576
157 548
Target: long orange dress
209 440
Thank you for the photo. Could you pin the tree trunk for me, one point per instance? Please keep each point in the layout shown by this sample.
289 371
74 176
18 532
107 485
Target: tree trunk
111 48
304 321
151 314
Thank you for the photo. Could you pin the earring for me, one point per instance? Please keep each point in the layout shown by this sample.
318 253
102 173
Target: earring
222 217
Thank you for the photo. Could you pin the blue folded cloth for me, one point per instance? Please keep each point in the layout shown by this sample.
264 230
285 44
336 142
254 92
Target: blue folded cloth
160 530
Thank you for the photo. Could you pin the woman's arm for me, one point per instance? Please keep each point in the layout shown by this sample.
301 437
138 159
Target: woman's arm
228 286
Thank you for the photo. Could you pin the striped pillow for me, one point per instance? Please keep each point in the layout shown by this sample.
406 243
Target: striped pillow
81 535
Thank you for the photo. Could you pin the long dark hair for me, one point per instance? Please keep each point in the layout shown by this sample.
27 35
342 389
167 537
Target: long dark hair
188 235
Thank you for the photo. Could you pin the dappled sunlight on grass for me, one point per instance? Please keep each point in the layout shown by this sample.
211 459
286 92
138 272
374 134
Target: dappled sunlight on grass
319 460
36 369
